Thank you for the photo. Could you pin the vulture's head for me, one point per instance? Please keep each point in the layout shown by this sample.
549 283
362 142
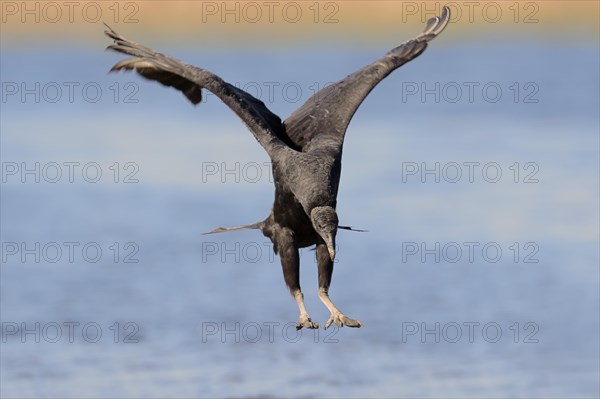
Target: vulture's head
325 222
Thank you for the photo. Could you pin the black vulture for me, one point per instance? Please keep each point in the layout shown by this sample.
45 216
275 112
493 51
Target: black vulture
305 150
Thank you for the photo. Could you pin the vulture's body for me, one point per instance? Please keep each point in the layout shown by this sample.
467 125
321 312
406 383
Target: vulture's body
305 150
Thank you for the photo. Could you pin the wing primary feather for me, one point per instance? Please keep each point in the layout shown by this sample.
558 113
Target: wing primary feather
350 228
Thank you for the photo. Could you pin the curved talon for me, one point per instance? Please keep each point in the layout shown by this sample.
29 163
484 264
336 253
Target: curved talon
306 322
341 320
328 323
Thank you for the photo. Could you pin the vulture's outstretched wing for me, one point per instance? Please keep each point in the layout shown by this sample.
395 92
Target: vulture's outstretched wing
265 125
326 114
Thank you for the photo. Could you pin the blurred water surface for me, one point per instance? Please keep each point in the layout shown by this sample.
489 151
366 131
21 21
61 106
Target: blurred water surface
195 314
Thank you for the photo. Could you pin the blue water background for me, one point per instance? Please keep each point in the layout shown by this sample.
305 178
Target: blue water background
178 291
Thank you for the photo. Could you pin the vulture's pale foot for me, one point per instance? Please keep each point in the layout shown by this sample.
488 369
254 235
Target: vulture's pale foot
341 320
305 321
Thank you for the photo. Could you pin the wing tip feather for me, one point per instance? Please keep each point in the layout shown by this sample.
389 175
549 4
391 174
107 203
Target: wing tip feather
436 25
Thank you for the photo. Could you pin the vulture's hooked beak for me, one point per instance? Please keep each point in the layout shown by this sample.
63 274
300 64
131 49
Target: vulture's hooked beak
330 241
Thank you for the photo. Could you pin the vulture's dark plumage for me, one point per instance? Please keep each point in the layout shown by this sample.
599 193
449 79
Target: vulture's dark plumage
305 150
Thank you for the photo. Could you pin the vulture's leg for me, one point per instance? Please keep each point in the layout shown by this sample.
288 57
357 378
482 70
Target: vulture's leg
290 261
325 271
